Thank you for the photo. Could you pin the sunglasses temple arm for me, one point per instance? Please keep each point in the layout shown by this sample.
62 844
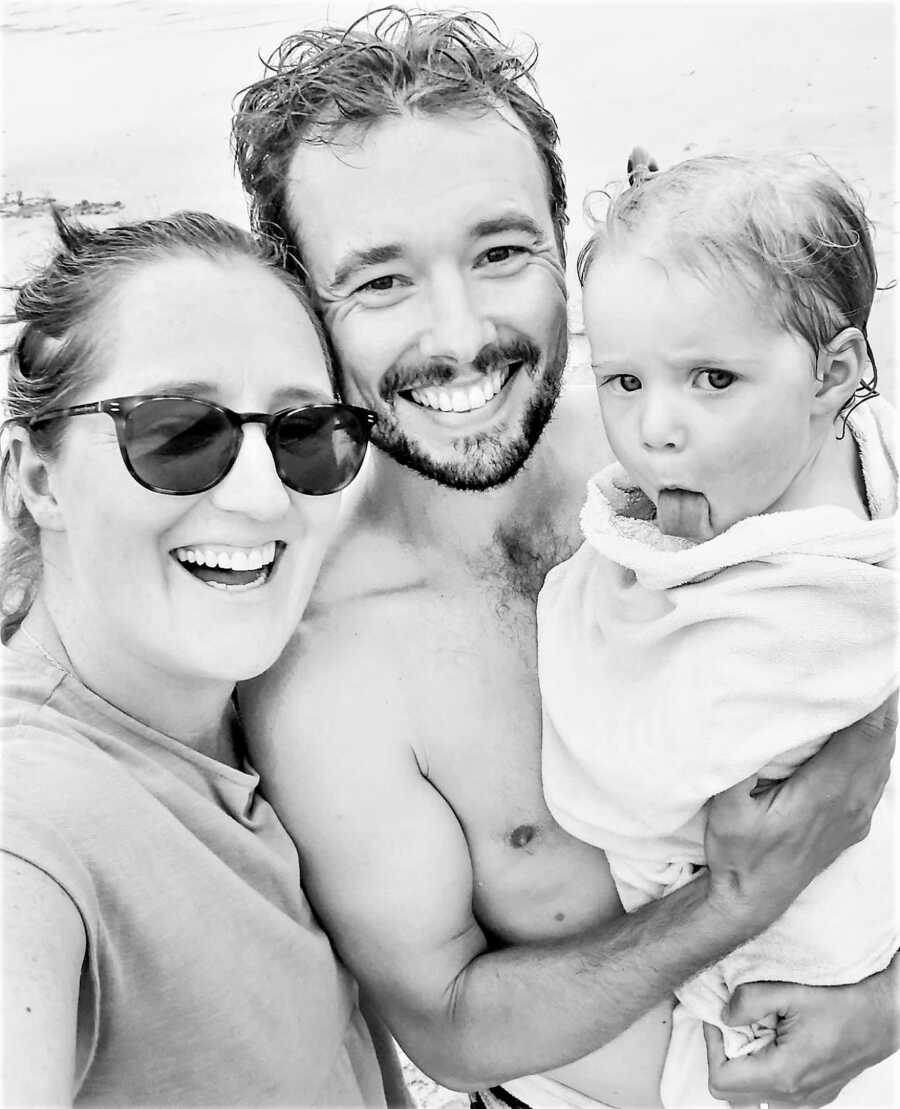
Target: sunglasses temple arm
73 410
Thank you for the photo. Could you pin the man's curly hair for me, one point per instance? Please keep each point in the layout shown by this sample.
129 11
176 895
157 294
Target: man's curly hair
389 63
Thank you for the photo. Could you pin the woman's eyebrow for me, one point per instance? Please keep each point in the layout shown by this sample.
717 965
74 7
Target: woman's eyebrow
292 396
299 395
179 388
358 259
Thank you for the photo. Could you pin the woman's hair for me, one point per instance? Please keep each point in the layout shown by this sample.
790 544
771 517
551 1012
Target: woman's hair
791 230
58 350
390 63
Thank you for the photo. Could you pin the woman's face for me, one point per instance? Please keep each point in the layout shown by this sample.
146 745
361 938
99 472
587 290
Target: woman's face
125 561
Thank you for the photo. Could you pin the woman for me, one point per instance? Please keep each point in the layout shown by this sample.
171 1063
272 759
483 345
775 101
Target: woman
172 472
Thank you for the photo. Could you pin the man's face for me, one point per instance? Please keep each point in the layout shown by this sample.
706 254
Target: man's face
430 244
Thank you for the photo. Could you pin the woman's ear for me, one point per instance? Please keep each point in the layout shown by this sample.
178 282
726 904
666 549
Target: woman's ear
34 479
840 366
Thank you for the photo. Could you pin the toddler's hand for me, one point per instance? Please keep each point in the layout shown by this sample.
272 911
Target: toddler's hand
827 1035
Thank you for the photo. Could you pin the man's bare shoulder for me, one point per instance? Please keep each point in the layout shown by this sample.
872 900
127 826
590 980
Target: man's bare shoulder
342 667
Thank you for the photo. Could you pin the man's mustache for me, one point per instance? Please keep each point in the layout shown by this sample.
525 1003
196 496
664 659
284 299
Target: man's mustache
439 371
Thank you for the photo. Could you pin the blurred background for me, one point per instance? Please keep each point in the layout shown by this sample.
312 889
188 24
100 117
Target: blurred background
127 104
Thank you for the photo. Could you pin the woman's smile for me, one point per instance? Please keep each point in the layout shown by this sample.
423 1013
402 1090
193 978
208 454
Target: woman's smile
233 569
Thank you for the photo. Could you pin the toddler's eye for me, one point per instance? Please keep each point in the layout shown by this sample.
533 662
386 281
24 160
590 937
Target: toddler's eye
716 379
624 383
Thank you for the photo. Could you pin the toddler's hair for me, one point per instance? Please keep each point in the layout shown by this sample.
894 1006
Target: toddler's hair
790 229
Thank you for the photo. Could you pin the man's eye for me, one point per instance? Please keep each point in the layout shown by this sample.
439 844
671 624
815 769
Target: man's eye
715 379
498 254
378 284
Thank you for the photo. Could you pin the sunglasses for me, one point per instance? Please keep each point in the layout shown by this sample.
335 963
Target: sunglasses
181 446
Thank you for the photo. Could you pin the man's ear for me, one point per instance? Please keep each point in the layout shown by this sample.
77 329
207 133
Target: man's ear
840 365
35 481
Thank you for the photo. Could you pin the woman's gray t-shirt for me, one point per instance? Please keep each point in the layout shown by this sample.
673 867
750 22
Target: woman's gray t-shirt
207 980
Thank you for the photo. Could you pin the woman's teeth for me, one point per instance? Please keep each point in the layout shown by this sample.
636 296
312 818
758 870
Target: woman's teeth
253 559
463 398
233 569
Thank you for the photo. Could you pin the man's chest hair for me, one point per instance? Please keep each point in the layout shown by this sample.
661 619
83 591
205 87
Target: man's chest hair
522 556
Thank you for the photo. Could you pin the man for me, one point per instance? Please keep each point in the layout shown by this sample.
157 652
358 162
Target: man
413 177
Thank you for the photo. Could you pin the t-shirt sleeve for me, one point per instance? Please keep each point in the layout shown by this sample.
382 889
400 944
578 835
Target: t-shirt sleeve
41 795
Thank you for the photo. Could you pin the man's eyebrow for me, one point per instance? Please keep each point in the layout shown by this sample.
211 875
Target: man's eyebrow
359 259
389 252
513 222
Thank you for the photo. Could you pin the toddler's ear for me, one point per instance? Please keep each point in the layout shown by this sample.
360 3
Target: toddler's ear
840 365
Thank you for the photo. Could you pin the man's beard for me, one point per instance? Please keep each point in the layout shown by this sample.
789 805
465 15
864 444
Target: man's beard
488 459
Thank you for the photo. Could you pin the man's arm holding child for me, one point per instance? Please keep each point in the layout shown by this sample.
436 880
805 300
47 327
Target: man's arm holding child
387 865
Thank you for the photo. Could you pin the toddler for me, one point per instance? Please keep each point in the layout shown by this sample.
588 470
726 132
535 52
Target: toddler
735 601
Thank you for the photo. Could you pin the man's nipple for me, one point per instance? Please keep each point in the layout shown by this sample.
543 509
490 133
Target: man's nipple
522 836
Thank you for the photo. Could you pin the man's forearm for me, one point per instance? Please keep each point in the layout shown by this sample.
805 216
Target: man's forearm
888 985
530 1008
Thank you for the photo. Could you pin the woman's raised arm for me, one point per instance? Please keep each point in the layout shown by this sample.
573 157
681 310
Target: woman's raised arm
42 952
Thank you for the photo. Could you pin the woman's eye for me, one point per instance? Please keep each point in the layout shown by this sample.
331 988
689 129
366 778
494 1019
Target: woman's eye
716 379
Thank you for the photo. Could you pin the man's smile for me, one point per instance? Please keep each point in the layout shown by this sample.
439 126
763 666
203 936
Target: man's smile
462 396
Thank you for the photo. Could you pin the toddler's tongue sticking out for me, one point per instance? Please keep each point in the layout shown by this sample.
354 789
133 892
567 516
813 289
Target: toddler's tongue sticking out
684 513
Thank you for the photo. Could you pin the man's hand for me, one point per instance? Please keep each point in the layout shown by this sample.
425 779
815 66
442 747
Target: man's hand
826 1036
764 848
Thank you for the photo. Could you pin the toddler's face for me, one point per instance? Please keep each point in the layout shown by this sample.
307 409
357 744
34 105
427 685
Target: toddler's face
700 389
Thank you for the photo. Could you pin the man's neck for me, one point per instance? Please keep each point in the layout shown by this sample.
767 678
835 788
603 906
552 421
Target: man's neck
533 518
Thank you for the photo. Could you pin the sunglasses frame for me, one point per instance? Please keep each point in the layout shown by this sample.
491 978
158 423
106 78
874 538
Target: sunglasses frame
120 408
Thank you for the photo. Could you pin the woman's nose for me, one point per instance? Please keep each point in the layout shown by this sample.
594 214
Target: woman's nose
252 485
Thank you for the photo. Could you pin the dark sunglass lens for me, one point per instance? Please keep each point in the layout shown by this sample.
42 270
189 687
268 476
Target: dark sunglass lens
320 449
179 446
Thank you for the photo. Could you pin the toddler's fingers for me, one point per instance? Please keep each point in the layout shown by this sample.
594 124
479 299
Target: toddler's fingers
754 1001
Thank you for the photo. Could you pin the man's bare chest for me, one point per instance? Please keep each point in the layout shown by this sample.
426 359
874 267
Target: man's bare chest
479 735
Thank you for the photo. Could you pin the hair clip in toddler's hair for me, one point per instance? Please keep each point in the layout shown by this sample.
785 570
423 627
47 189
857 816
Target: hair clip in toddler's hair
641 166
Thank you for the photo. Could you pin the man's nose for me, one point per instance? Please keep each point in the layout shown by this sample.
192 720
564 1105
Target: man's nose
662 426
456 327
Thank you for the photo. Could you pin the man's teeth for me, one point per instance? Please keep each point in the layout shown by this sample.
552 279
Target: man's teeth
254 559
462 398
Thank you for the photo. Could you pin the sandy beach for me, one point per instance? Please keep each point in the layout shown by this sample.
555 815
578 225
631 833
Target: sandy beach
126 106
129 102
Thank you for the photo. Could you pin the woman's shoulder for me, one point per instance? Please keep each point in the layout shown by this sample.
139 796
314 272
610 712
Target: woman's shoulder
54 769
